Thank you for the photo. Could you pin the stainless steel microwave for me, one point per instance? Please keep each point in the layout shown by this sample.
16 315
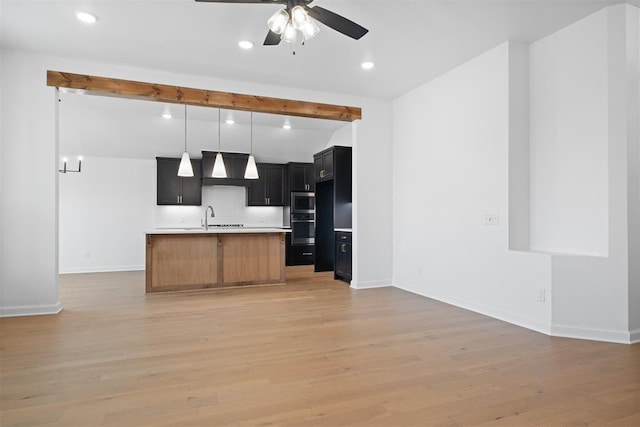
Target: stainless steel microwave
303 202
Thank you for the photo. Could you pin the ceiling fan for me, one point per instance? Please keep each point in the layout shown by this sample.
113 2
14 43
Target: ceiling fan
297 16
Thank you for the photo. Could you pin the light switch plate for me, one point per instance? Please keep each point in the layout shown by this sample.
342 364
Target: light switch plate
491 219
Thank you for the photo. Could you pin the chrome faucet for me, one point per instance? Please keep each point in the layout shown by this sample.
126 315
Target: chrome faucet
206 220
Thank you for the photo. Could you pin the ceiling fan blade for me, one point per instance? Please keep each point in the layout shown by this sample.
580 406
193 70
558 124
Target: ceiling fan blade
337 22
245 1
272 39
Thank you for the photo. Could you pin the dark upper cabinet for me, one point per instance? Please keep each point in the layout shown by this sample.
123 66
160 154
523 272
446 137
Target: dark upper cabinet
301 177
323 164
334 164
332 170
175 190
268 189
234 163
343 256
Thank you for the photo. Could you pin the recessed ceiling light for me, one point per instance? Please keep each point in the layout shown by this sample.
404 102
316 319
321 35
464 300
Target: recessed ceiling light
367 65
230 121
86 17
286 126
166 115
245 44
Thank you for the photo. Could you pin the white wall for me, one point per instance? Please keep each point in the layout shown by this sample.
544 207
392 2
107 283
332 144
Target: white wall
105 210
633 78
584 173
29 194
30 222
568 147
450 168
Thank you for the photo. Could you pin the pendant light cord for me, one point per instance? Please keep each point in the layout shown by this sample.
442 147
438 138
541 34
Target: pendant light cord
251 133
219 139
185 127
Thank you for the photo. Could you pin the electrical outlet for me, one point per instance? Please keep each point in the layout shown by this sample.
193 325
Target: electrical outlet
542 295
491 219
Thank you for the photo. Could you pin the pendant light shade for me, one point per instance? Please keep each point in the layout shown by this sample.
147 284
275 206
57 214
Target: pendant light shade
185 168
219 171
251 172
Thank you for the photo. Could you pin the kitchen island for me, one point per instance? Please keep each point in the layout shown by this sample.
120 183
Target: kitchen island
187 259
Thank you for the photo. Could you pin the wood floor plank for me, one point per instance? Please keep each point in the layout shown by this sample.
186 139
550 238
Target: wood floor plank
309 352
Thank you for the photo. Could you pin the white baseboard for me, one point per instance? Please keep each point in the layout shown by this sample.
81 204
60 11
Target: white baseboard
102 269
477 308
34 310
371 284
619 337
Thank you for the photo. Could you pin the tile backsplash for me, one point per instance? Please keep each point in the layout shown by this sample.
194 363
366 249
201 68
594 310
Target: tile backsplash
230 206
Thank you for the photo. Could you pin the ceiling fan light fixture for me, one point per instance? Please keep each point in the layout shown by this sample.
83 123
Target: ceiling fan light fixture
290 34
310 29
278 21
299 17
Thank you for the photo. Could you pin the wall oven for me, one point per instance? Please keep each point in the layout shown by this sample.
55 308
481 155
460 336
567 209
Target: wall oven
303 229
303 224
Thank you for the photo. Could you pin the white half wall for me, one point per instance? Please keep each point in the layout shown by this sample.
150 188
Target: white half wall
450 170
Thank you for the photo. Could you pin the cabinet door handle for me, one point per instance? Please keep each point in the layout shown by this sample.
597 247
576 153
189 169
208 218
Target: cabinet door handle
343 237
322 173
343 248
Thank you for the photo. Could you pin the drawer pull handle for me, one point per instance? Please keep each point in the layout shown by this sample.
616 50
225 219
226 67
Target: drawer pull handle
307 253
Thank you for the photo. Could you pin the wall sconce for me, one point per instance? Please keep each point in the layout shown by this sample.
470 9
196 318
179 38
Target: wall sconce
64 166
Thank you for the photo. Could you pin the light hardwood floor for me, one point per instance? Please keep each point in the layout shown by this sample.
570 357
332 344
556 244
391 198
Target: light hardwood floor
311 352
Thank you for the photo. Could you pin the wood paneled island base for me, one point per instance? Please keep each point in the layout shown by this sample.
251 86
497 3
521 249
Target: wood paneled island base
197 260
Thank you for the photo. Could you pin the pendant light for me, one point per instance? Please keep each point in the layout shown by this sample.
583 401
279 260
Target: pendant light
251 172
185 168
219 171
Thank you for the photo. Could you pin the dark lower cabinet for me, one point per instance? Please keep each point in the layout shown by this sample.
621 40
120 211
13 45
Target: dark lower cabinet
299 255
175 190
343 256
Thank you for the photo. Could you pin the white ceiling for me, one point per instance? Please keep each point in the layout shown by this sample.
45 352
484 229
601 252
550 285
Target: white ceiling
411 42
102 126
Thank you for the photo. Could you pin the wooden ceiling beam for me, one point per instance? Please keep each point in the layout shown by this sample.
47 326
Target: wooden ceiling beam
205 98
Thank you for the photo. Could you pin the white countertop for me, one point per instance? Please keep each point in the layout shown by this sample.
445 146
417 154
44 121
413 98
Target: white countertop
218 230
344 230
